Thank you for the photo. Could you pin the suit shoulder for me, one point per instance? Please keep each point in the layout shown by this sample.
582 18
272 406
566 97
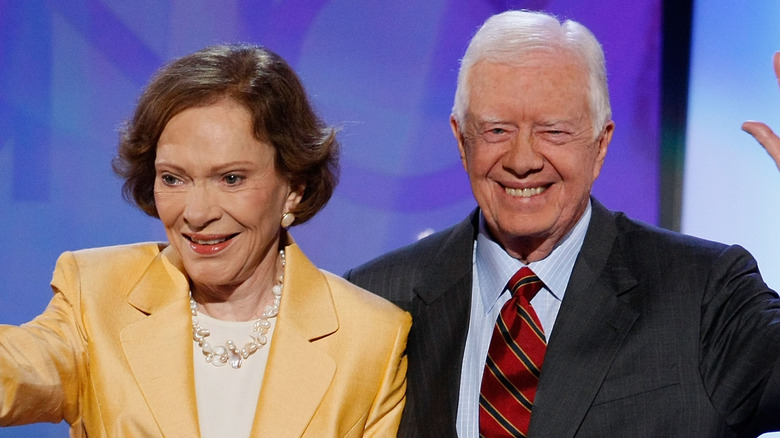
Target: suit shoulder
408 255
114 264
643 235
349 296
115 257
119 253
458 238
439 259
652 248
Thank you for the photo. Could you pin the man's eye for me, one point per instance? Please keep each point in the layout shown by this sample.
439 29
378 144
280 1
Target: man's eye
557 136
496 135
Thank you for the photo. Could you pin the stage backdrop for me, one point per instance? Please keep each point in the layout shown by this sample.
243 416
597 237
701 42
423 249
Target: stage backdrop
732 188
384 72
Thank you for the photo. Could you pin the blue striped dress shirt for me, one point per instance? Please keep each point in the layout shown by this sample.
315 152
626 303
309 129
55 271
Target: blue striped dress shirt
493 268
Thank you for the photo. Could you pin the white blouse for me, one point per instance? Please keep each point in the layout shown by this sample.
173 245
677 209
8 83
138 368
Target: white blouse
227 397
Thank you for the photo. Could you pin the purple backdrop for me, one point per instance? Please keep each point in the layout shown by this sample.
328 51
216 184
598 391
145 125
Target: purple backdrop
383 71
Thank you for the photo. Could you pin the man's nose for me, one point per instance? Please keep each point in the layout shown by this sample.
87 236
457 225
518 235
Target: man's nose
522 156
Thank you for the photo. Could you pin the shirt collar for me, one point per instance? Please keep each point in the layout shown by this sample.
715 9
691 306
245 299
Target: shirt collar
495 266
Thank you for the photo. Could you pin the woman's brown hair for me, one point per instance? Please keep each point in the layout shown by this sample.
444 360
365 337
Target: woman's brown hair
261 81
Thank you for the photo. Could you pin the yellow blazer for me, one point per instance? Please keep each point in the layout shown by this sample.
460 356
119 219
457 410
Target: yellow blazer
112 353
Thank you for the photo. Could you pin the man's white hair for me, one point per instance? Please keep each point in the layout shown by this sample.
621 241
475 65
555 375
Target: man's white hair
508 36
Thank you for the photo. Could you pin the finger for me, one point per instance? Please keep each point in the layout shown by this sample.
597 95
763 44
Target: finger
761 132
776 60
766 137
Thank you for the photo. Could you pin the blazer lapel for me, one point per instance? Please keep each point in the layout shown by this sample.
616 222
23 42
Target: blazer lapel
298 373
159 346
589 330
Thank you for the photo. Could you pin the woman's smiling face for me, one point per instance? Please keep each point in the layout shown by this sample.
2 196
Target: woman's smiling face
219 195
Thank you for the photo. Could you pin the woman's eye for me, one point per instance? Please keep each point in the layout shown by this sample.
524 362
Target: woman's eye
233 179
169 179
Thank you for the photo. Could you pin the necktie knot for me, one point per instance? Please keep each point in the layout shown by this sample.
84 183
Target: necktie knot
526 283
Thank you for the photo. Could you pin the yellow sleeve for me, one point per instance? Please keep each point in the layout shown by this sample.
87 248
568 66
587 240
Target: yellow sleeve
42 362
385 414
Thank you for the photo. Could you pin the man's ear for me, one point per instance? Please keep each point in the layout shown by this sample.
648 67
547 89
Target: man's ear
603 144
457 131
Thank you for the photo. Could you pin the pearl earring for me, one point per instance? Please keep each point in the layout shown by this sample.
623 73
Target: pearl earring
287 220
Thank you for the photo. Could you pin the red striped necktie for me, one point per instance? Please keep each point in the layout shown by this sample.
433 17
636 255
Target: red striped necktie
514 362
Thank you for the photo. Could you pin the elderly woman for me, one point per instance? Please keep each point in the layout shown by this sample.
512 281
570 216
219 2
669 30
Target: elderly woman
228 329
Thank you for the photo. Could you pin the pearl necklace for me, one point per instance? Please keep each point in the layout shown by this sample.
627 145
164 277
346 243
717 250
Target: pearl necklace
230 353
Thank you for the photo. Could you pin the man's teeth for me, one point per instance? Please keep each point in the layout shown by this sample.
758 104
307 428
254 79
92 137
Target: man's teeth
525 193
208 242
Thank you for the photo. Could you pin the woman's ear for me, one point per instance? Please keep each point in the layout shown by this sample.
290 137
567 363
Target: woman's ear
294 197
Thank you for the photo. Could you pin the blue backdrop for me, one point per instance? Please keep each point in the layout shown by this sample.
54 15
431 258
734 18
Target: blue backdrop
731 186
383 71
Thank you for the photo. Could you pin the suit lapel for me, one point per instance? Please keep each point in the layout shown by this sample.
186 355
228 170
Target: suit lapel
298 373
435 346
158 347
452 262
589 330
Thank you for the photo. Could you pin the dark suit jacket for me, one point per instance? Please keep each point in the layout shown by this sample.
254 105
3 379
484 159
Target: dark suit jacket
659 335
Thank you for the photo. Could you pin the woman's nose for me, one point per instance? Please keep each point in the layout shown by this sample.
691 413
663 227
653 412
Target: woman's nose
201 207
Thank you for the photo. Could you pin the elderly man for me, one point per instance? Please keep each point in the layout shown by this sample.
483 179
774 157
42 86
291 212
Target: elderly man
543 301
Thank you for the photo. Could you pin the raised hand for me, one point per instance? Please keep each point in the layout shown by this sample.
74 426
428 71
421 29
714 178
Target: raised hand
763 133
